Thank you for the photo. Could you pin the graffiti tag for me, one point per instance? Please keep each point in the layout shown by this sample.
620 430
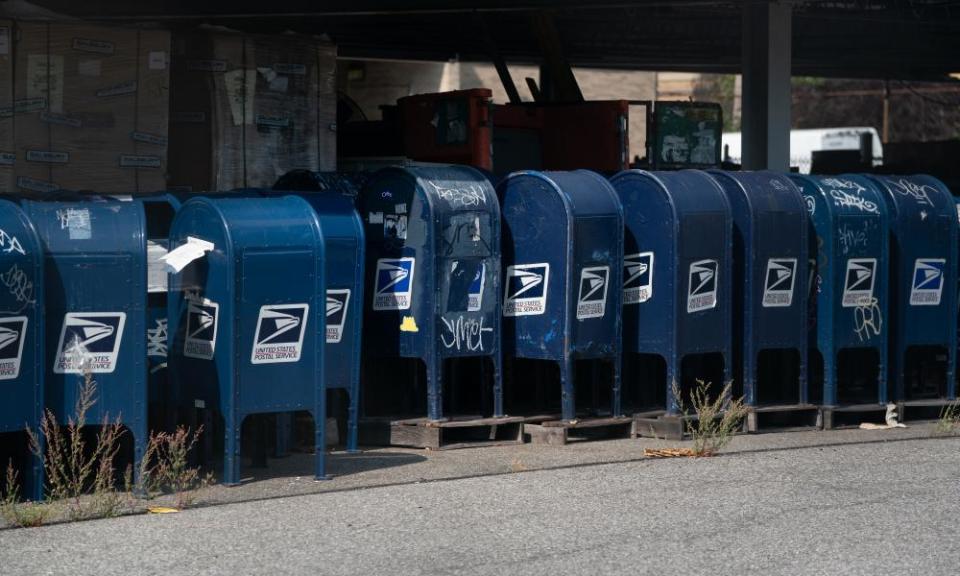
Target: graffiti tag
10 243
464 333
868 320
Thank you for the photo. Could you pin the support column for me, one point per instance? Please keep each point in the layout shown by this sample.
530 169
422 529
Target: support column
766 63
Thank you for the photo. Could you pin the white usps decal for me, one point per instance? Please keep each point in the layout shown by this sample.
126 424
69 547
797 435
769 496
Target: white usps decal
89 342
525 289
393 283
637 278
279 333
201 335
702 288
13 332
338 302
779 282
592 299
927 286
858 282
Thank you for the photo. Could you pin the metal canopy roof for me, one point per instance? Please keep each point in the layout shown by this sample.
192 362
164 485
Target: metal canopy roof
909 39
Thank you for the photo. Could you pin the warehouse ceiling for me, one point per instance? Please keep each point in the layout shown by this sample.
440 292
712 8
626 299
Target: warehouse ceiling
907 39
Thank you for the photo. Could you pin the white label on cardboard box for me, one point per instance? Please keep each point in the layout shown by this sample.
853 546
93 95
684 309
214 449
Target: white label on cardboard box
157 60
290 68
118 89
25 105
36 185
208 65
95 46
273 121
279 84
8 158
45 80
60 119
148 138
4 40
139 161
48 156
240 86
88 68
188 117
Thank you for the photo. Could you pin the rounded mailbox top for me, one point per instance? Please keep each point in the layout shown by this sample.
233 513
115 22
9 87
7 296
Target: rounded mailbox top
343 183
444 188
761 191
685 191
840 195
275 222
583 192
914 198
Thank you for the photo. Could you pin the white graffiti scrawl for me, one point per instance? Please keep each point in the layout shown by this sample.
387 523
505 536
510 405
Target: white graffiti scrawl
20 286
919 192
463 197
464 333
868 319
10 243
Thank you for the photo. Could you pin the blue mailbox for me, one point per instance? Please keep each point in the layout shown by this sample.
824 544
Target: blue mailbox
563 248
849 219
343 238
247 313
770 267
159 211
344 183
923 273
433 272
677 275
95 299
21 343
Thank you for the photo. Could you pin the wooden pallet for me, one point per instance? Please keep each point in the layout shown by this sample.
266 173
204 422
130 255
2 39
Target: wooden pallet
783 418
561 432
851 416
922 410
460 432
658 424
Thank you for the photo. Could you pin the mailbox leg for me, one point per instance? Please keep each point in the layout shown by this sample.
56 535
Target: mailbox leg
830 378
140 436
882 394
353 415
497 385
617 401
33 483
952 371
320 438
435 388
804 382
568 402
673 385
231 452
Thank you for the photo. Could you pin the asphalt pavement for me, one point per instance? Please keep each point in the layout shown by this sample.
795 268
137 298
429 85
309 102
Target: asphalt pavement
870 507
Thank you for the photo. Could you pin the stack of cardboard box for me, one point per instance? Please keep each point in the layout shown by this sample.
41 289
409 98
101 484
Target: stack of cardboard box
246 109
90 107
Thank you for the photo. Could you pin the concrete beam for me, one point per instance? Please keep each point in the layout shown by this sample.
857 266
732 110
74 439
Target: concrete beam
766 85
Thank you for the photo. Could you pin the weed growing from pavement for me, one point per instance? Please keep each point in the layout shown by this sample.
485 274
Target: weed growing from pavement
165 467
714 421
16 512
949 421
81 476
71 467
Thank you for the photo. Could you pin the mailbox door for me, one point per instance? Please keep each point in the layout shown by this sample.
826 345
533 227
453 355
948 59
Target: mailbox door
277 335
468 280
595 306
537 249
397 229
702 264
